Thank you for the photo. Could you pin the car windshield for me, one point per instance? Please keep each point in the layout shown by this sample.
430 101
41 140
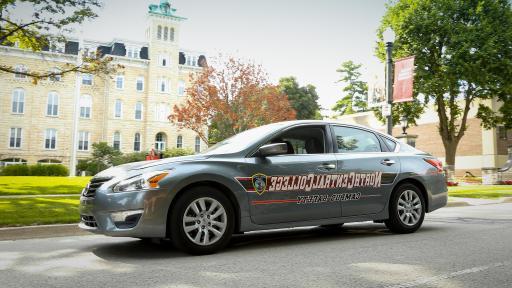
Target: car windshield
243 140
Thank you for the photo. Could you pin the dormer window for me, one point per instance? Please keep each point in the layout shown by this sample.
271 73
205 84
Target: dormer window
133 52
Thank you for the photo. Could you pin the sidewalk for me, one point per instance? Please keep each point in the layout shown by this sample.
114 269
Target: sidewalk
460 201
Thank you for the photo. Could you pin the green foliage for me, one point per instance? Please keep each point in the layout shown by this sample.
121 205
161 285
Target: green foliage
304 100
35 170
129 158
16 170
177 152
411 110
463 54
103 156
355 90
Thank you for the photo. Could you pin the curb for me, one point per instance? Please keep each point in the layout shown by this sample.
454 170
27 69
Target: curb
457 204
41 231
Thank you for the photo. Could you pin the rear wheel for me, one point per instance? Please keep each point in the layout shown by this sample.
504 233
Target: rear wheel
406 209
202 221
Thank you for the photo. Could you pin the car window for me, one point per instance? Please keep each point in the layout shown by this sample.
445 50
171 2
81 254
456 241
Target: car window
303 140
353 140
390 143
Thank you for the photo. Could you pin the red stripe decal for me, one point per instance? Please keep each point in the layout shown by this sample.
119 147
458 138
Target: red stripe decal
276 201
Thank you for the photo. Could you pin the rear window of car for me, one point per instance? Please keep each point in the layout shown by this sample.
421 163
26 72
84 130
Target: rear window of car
390 143
353 140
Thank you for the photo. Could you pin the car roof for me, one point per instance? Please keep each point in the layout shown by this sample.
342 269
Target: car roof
295 122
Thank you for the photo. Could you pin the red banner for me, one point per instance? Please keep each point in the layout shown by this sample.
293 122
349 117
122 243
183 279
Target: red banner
404 76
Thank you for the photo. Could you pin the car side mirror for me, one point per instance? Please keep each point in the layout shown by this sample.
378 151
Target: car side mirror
273 149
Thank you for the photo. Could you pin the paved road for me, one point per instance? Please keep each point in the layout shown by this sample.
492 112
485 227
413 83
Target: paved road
457 247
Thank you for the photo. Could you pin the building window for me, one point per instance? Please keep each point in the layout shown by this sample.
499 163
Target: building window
132 52
15 138
85 106
55 78
52 107
83 140
86 79
116 144
50 139
163 60
181 88
118 109
179 142
20 69
119 82
140 84
159 32
138 111
171 34
18 101
198 144
163 85
160 141
166 32
162 112
136 142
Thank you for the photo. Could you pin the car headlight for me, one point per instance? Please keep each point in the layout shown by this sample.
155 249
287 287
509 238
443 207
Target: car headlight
141 182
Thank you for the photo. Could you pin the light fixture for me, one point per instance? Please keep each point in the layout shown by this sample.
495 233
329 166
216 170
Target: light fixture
388 35
404 123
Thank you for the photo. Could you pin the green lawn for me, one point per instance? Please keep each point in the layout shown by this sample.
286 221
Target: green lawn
41 185
481 191
37 211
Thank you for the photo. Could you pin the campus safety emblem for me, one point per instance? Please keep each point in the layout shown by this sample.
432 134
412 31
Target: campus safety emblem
259 182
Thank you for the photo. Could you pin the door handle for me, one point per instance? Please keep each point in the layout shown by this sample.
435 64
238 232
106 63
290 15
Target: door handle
387 162
327 166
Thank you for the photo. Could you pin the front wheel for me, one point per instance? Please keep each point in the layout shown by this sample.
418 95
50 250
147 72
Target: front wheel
202 221
406 209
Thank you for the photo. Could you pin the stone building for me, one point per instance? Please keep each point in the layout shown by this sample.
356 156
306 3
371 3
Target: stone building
128 110
478 149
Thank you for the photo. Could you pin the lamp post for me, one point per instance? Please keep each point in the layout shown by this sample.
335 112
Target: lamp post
404 124
389 38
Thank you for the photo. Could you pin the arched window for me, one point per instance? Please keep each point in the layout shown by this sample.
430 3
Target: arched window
85 106
13 161
159 32
198 144
166 33
179 142
18 101
160 141
171 34
116 143
52 107
136 142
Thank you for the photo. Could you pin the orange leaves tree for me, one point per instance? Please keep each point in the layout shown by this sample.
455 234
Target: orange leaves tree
225 99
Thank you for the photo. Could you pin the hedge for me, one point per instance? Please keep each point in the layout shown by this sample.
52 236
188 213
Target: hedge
35 170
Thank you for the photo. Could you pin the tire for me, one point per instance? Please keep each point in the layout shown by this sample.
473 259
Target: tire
210 224
405 216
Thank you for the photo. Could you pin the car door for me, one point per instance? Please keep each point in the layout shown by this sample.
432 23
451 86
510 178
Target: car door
369 167
286 188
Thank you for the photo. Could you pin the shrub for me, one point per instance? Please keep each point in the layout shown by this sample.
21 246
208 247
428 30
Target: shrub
16 170
36 170
176 152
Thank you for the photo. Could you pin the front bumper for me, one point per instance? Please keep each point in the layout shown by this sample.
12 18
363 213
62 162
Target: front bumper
145 213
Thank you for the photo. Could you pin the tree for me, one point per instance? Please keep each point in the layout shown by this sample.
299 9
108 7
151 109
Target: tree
103 156
50 20
463 56
230 98
304 100
355 90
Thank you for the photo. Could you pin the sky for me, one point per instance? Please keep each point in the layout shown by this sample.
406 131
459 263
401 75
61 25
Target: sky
305 39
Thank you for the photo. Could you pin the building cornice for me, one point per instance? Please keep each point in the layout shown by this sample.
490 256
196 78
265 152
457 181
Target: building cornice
38 55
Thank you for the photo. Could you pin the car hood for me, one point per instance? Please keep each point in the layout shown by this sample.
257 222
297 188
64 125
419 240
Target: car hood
135 168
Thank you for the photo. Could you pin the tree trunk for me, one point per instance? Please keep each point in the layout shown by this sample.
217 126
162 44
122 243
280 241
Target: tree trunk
450 151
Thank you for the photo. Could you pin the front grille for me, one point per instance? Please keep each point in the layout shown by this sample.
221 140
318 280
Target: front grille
90 189
89 221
